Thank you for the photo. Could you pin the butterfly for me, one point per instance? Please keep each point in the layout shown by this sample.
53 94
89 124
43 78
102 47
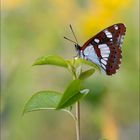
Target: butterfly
103 49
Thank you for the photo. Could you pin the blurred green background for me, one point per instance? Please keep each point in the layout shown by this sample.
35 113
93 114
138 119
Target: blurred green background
33 28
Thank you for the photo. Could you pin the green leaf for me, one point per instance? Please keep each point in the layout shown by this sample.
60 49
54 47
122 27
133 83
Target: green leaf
71 95
78 71
70 91
43 100
86 74
80 61
71 67
51 60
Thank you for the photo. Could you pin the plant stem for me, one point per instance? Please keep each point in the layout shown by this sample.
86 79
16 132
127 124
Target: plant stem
77 109
77 120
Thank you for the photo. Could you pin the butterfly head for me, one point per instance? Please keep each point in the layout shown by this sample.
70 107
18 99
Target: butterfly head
77 48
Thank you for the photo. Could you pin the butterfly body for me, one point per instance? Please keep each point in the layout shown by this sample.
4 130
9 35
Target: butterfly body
104 49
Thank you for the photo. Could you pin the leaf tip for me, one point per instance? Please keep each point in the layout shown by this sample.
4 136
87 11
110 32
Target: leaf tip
23 112
33 64
84 91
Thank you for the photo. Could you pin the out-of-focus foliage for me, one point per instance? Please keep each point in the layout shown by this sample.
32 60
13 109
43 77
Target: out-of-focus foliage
35 28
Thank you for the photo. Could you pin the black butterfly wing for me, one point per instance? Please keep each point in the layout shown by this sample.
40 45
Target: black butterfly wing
107 46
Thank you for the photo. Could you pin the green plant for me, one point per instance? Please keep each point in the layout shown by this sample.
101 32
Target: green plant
72 94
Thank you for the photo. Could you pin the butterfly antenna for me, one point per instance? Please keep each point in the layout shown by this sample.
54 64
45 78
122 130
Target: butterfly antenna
73 33
70 40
